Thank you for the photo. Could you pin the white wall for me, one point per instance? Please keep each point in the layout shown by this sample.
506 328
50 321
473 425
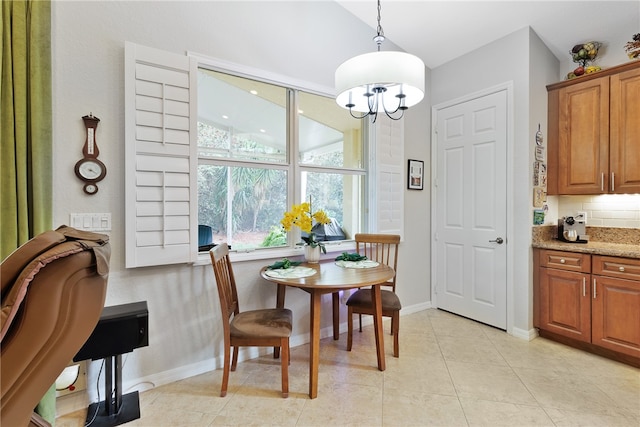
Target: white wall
301 40
529 72
414 265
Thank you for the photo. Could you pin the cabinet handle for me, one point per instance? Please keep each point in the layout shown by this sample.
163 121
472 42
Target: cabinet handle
584 286
613 180
561 260
621 268
594 288
602 181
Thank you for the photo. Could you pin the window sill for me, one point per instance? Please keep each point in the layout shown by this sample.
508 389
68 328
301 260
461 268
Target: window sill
333 250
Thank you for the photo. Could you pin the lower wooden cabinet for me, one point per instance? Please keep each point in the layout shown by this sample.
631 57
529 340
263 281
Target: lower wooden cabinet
565 305
588 299
615 307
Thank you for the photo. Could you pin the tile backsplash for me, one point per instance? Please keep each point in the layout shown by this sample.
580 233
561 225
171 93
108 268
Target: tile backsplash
608 210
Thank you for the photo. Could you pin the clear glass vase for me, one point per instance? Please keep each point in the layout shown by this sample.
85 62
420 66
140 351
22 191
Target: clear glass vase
312 254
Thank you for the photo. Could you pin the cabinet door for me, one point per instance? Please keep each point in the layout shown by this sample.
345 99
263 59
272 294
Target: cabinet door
583 137
565 303
624 137
616 314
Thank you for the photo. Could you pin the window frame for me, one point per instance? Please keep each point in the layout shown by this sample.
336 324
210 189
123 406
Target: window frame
293 166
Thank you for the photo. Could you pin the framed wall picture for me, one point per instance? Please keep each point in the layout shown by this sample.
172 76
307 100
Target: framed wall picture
415 175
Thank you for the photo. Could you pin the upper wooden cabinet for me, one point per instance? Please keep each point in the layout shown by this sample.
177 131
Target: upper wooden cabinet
594 133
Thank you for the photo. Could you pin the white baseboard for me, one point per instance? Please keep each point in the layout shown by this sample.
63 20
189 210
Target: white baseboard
524 334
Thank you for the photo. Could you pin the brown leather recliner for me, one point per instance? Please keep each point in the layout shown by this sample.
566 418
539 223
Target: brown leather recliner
53 292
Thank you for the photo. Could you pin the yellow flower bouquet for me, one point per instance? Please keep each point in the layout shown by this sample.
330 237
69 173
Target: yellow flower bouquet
302 216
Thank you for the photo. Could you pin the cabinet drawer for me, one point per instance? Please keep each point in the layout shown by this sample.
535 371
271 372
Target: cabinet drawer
623 268
570 261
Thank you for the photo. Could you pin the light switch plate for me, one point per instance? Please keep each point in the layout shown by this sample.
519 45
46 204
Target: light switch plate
91 221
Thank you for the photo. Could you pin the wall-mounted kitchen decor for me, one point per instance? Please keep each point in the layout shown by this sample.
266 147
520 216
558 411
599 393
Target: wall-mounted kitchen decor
539 178
415 175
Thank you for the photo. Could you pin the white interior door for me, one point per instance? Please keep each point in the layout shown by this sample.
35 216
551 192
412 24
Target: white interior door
471 207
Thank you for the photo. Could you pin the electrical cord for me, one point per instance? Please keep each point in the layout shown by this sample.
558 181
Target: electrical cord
95 414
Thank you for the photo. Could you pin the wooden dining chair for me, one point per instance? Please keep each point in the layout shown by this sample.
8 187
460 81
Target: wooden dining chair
382 248
269 327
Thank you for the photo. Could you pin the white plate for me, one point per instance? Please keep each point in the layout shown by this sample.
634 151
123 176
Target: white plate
291 273
366 263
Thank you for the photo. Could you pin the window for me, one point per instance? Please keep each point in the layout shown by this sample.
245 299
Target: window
247 172
187 165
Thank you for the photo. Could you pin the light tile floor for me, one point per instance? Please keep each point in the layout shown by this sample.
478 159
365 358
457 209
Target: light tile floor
451 372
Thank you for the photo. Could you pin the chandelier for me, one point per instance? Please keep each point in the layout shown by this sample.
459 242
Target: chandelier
380 81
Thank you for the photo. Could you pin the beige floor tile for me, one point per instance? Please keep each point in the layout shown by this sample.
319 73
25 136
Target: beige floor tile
568 391
408 408
489 382
490 413
625 392
343 405
472 349
419 345
563 418
420 375
253 407
530 354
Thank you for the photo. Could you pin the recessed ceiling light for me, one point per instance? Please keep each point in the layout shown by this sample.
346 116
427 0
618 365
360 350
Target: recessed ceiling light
224 116
300 112
263 131
253 92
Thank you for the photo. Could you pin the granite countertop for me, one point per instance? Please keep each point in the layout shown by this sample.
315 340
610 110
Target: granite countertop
609 241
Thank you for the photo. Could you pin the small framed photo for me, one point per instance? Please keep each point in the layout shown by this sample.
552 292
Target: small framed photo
415 175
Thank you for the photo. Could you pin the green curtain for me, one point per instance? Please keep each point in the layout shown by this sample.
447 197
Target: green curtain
25 123
25 133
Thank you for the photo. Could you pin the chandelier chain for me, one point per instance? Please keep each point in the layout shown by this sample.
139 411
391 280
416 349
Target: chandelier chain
379 29
379 38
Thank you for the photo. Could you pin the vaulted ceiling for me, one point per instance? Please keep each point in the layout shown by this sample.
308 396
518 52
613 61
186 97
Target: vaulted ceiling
439 31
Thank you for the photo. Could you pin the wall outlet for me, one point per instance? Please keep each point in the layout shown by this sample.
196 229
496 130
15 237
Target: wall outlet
582 215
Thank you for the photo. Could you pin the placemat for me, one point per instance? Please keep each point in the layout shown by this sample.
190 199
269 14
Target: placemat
367 263
291 273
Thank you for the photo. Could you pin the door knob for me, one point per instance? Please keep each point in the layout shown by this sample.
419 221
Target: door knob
499 240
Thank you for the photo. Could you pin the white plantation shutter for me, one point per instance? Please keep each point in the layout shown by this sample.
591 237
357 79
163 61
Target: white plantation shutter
160 157
387 175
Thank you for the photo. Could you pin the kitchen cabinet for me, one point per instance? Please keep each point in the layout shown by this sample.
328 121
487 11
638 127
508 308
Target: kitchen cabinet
594 133
616 304
565 304
589 301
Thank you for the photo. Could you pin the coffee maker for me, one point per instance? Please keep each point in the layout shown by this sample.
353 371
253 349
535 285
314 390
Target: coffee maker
572 229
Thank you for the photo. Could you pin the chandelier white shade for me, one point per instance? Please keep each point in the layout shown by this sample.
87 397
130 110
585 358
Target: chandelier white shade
388 82
384 81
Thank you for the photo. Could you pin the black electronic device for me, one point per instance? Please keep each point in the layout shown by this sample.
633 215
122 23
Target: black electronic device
121 329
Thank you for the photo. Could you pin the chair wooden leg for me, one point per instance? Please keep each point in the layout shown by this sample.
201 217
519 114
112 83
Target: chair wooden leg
395 330
349 328
360 321
225 371
284 345
234 361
